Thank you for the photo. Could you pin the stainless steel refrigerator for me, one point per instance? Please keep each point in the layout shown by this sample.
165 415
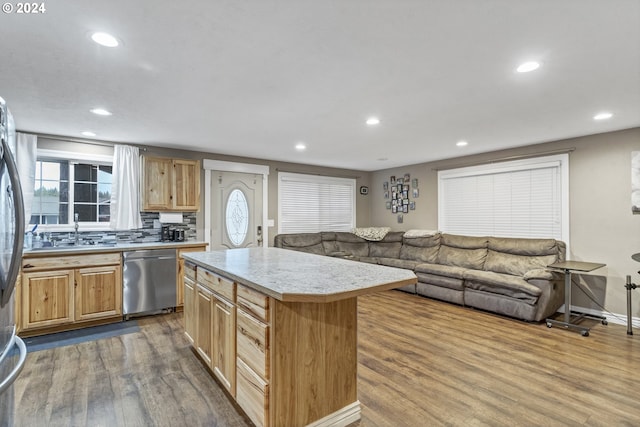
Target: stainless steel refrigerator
12 349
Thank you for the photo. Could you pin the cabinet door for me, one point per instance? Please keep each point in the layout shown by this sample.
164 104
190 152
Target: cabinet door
204 323
224 343
189 270
156 183
98 292
189 309
47 298
186 185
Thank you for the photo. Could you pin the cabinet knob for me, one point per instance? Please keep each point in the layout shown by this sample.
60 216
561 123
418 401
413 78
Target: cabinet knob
27 266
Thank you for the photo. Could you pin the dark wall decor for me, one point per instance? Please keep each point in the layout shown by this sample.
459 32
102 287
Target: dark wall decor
397 193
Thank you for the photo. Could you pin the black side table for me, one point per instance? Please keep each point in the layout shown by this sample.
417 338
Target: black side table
568 267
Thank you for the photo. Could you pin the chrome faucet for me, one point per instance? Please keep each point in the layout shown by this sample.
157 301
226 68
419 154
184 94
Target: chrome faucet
76 237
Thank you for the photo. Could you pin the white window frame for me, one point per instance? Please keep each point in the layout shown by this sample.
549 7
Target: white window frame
72 157
316 179
560 161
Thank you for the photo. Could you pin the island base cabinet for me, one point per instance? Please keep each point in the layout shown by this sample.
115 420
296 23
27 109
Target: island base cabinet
252 394
314 359
203 338
224 343
189 309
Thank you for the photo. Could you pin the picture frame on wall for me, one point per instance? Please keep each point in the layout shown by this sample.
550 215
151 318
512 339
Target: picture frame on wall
412 206
385 185
388 204
400 219
414 182
405 194
386 194
392 180
405 209
407 178
400 181
394 209
405 187
416 193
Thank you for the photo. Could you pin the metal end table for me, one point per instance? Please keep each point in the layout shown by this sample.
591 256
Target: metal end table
572 318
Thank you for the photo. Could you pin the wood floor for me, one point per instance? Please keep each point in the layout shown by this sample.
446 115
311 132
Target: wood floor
421 363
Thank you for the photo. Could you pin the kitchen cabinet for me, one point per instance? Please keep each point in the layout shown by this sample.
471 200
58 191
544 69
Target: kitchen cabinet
189 295
215 324
98 292
224 345
66 291
204 320
182 272
47 298
170 184
253 354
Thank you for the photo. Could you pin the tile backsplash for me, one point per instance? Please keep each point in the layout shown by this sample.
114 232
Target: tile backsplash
145 234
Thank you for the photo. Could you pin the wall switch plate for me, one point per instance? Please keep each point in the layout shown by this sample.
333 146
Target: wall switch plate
156 224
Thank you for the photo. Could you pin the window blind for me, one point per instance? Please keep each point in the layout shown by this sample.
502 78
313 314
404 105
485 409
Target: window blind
309 203
513 199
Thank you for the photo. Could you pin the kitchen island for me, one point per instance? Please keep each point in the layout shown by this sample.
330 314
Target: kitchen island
296 330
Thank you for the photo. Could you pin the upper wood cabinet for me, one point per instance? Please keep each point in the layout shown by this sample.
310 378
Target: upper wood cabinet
170 184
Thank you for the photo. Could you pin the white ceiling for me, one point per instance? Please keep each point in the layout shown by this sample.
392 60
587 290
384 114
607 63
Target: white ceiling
253 78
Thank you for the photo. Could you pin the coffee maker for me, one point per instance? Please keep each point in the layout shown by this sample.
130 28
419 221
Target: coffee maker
165 234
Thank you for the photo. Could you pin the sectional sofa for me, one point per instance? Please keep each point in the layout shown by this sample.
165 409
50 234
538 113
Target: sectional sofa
507 276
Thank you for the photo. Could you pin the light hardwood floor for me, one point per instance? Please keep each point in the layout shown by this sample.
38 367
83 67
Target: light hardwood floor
421 363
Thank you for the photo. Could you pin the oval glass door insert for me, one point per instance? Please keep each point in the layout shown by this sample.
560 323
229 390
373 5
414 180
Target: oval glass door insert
237 217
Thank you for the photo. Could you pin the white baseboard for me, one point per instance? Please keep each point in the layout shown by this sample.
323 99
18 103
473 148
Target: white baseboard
618 319
341 418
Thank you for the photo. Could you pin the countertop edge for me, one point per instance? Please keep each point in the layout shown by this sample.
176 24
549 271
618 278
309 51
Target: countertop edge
90 249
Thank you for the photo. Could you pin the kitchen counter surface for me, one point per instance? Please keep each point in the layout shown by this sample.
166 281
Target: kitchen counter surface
106 248
296 276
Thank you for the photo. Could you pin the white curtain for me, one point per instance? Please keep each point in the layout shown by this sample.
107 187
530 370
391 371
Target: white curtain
125 205
26 156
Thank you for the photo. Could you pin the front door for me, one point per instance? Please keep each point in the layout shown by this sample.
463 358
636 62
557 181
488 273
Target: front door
236 209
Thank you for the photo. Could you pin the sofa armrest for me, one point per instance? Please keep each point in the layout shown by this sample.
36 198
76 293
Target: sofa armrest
541 274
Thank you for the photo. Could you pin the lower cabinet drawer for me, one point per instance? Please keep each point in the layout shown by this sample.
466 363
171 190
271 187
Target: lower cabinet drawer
253 343
252 394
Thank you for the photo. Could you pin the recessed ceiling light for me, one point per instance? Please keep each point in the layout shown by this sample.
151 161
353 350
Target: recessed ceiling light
88 133
462 143
528 66
104 39
602 116
101 112
372 121
300 146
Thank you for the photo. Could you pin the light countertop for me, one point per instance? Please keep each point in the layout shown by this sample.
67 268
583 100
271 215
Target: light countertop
99 248
288 275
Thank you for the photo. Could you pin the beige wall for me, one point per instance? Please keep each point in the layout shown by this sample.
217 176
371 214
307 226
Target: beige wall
602 227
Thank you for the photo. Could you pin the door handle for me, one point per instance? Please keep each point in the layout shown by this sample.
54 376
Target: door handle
16 371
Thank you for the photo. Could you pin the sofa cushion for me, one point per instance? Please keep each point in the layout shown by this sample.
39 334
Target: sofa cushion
442 281
352 244
329 241
464 242
303 242
503 284
524 246
466 258
516 265
442 270
398 263
423 249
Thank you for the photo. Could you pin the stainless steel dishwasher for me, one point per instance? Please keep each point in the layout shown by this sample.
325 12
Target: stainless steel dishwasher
149 281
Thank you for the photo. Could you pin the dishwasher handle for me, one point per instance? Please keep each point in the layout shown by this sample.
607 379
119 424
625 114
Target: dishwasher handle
147 258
